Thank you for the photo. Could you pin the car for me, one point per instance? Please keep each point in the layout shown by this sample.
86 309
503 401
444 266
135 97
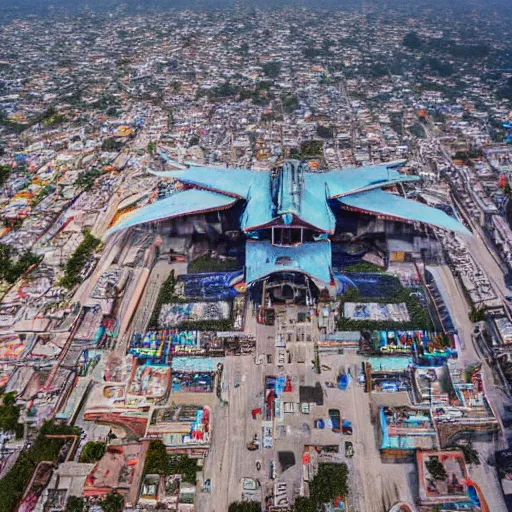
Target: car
349 449
273 471
343 380
335 417
346 427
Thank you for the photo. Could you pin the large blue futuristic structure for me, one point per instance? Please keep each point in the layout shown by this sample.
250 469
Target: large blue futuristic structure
287 213
508 126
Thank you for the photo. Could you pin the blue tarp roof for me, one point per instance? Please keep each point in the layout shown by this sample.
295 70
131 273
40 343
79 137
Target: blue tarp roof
380 202
178 204
312 258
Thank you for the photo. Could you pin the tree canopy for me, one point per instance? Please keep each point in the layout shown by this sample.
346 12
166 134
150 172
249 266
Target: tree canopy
75 504
304 504
412 41
14 482
329 483
93 451
112 502
12 266
244 506
5 172
78 260
160 463
272 68
157 460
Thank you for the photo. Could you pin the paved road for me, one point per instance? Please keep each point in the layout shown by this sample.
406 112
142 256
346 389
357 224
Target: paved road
159 273
233 427
374 486
484 475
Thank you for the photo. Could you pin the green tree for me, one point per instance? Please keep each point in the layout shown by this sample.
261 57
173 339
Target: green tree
77 261
75 504
329 483
325 132
14 482
165 296
12 267
245 506
10 414
111 144
436 468
93 451
184 466
86 179
151 147
272 68
311 148
303 504
477 314
290 103
470 453
157 460
412 41
194 140
5 173
113 502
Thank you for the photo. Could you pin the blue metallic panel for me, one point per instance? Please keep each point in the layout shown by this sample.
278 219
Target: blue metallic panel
384 203
233 182
181 203
313 258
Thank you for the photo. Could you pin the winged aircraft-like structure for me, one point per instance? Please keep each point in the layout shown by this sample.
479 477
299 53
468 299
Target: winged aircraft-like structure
288 213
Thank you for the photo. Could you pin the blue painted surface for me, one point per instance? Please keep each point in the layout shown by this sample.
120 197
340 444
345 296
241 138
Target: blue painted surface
178 204
381 202
259 209
212 285
343 380
351 179
292 194
235 182
313 258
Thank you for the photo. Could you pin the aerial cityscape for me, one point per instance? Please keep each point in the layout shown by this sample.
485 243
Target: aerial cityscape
255 257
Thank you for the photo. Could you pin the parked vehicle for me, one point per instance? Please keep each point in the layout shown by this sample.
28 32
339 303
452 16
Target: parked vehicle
254 444
346 427
273 471
343 380
335 417
349 449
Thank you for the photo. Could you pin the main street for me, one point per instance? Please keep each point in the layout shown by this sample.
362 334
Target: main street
485 474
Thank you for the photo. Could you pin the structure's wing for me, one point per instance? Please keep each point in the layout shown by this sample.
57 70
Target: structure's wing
315 210
357 179
259 210
379 202
181 203
312 258
230 182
